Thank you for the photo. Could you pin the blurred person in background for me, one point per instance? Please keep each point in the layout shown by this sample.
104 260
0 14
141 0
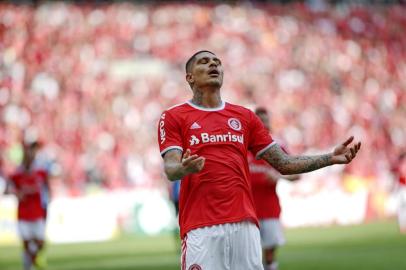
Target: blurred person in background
264 179
31 187
205 142
2 177
174 193
400 175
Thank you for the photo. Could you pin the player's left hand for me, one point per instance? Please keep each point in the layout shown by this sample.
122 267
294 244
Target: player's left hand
192 163
344 153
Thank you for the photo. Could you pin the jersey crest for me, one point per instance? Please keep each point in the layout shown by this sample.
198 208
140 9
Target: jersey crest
195 267
234 123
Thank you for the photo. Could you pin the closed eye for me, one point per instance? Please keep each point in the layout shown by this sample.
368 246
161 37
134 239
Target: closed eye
218 62
204 60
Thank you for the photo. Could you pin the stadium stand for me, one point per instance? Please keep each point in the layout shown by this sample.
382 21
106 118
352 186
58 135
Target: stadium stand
91 81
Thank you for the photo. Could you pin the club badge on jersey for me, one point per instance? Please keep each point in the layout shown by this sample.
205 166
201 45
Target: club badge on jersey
195 267
234 123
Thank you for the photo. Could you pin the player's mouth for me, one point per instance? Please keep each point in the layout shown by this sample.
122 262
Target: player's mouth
214 73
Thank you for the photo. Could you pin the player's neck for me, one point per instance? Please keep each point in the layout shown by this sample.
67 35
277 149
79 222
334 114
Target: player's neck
207 99
27 166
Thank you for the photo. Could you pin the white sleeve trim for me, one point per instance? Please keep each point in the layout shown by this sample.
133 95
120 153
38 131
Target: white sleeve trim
171 148
260 152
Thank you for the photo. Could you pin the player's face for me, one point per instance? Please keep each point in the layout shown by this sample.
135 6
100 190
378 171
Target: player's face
29 154
206 70
264 117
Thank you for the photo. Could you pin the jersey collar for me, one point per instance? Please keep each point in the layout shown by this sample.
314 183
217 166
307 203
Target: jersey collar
221 107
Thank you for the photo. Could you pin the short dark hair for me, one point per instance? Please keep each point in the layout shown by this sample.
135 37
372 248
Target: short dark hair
261 110
32 144
191 60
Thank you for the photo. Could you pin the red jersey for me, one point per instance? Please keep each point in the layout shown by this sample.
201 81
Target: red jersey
30 207
399 171
402 180
221 192
263 189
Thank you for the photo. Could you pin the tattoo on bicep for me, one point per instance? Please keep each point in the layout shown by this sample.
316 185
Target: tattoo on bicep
276 157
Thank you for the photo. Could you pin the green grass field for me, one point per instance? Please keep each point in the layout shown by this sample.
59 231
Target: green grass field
372 246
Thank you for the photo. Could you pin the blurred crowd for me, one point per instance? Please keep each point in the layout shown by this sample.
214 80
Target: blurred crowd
90 82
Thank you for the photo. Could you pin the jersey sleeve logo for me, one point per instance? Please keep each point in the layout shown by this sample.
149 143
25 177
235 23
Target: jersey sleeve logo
234 123
162 132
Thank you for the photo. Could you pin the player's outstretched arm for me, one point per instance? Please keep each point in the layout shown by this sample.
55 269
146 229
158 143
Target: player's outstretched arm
177 167
11 189
286 164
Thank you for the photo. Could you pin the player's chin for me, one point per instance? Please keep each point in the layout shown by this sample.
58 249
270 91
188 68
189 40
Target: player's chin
214 82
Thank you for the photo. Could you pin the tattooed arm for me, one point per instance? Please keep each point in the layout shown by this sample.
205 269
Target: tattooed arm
177 167
287 164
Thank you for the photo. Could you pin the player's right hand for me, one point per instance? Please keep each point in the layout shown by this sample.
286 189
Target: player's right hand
192 163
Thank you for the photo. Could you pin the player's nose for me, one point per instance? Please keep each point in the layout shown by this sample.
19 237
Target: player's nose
213 63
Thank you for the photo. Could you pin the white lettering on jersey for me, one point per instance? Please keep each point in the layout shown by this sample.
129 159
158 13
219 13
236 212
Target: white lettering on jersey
162 129
194 140
206 138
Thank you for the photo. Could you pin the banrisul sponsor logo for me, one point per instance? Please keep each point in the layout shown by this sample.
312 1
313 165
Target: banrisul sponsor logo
214 138
194 140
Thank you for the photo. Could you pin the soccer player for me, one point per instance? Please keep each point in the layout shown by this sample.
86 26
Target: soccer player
28 184
174 197
400 175
204 142
264 179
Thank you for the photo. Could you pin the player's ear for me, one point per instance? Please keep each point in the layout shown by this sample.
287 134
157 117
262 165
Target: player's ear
189 78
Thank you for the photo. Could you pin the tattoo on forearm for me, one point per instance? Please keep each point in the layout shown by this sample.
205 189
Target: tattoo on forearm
174 171
286 164
172 164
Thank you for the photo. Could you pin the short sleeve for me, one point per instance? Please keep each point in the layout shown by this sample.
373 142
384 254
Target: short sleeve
12 182
169 133
259 140
43 173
